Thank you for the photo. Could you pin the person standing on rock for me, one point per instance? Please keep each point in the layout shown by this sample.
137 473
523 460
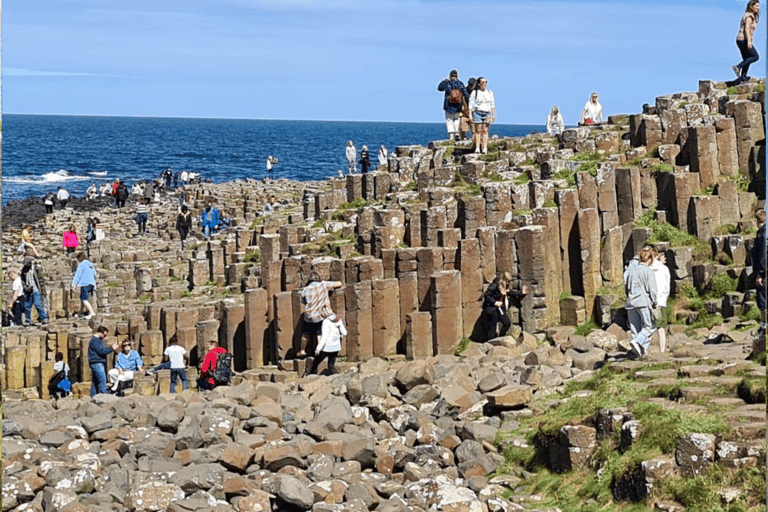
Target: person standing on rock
745 41
482 105
271 161
315 297
97 360
32 291
454 92
121 194
176 361
592 112
365 160
128 363
16 304
70 240
661 273
383 156
183 223
758 267
209 220
351 154
85 278
640 287
149 192
48 202
329 346
63 197
141 215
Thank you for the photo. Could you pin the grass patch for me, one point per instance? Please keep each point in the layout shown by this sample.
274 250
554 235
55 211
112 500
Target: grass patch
567 175
549 203
719 285
252 257
731 91
463 344
522 179
752 314
466 188
319 223
760 88
490 157
662 168
186 294
589 167
751 390
586 328
668 233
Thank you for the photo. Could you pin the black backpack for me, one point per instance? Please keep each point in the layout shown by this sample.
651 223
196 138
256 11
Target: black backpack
223 371
25 286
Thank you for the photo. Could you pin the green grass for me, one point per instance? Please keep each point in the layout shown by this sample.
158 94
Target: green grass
252 257
751 390
731 91
589 167
549 203
586 328
752 314
668 233
522 179
490 156
567 175
662 168
319 223
760 88
463 344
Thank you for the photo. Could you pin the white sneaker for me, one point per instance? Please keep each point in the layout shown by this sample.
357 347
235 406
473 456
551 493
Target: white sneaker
736 70
89 316
636 347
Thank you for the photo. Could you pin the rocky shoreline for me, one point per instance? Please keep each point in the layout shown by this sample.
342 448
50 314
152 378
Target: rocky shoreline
421 417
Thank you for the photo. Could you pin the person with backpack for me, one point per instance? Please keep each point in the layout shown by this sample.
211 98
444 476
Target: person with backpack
216 368
85 278
32 287
59 385
333 331
121 194
454 92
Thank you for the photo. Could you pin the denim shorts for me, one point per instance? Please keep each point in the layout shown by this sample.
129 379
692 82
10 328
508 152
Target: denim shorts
86 292
311 328
480 117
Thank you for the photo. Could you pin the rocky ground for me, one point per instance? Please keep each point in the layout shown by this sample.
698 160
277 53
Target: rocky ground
449 433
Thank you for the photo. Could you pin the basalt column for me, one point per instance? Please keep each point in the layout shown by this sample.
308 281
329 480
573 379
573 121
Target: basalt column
359 321
446 313
385 300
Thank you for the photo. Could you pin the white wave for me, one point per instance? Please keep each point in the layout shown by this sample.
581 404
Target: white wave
97 173
50 177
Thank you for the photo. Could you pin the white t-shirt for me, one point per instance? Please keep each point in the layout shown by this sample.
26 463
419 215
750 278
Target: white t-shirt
184 176
661 273
333 330
593 110
17 286
176 355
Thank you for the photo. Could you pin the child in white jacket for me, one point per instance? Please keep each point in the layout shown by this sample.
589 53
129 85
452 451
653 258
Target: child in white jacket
330 341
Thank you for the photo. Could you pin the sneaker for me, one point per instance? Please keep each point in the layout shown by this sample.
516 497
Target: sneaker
477 151
89 316
736 70
636 348
149 372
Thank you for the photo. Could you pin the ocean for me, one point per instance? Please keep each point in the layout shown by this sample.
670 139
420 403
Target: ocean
41 153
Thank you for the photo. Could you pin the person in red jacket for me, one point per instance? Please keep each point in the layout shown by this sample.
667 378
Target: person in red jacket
206 380
70 241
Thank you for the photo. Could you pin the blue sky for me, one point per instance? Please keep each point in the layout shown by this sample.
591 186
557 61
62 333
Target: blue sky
378 60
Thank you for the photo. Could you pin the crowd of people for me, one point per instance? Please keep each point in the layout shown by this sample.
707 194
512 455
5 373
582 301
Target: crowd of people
350 152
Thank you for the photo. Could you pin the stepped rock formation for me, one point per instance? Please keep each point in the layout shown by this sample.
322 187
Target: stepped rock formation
414 245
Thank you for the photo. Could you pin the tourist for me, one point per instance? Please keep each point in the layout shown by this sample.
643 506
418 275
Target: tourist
640 287
351 154
592 113
175 360
272 205
48 202
167 176
482 105
105 190
90 235
121 194
758 266
315 297
383 156
149 192
555 122
661 273
465 117
183 223
225 222
365 159
454 91
271 162
496 301
207 380
745 41
85 278
70 240
63 197
90 193
25 245
16 304
128 362
184 177
32 288
333 331
209 220
141 215
137 190
59 384
97 360
176 179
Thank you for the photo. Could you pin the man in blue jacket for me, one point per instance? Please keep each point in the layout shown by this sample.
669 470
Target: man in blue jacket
209 220
97 360
455 93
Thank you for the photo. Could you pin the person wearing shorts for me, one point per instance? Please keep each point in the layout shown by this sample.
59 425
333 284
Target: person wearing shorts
482 105
315 298
85 278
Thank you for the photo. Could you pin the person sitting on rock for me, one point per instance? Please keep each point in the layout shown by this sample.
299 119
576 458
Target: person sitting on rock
272 205
26 247
211 359
128 362
555 122
225 222
592 113
209 220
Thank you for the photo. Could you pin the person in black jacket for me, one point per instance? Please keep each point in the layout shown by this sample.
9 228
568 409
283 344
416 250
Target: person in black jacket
183 223
121 194
758 266
365 159
496 301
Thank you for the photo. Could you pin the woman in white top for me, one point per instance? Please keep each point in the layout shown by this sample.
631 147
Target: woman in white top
555 122
593 111
482 106
333 331
382 155
661 273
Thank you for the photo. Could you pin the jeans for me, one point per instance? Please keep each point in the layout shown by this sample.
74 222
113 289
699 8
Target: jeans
641 326
98 379
208 231
749 56
29 300
181 373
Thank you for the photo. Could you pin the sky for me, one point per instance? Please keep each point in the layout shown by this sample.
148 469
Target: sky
344 60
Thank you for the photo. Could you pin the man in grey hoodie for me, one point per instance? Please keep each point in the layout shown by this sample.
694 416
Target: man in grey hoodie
640 286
